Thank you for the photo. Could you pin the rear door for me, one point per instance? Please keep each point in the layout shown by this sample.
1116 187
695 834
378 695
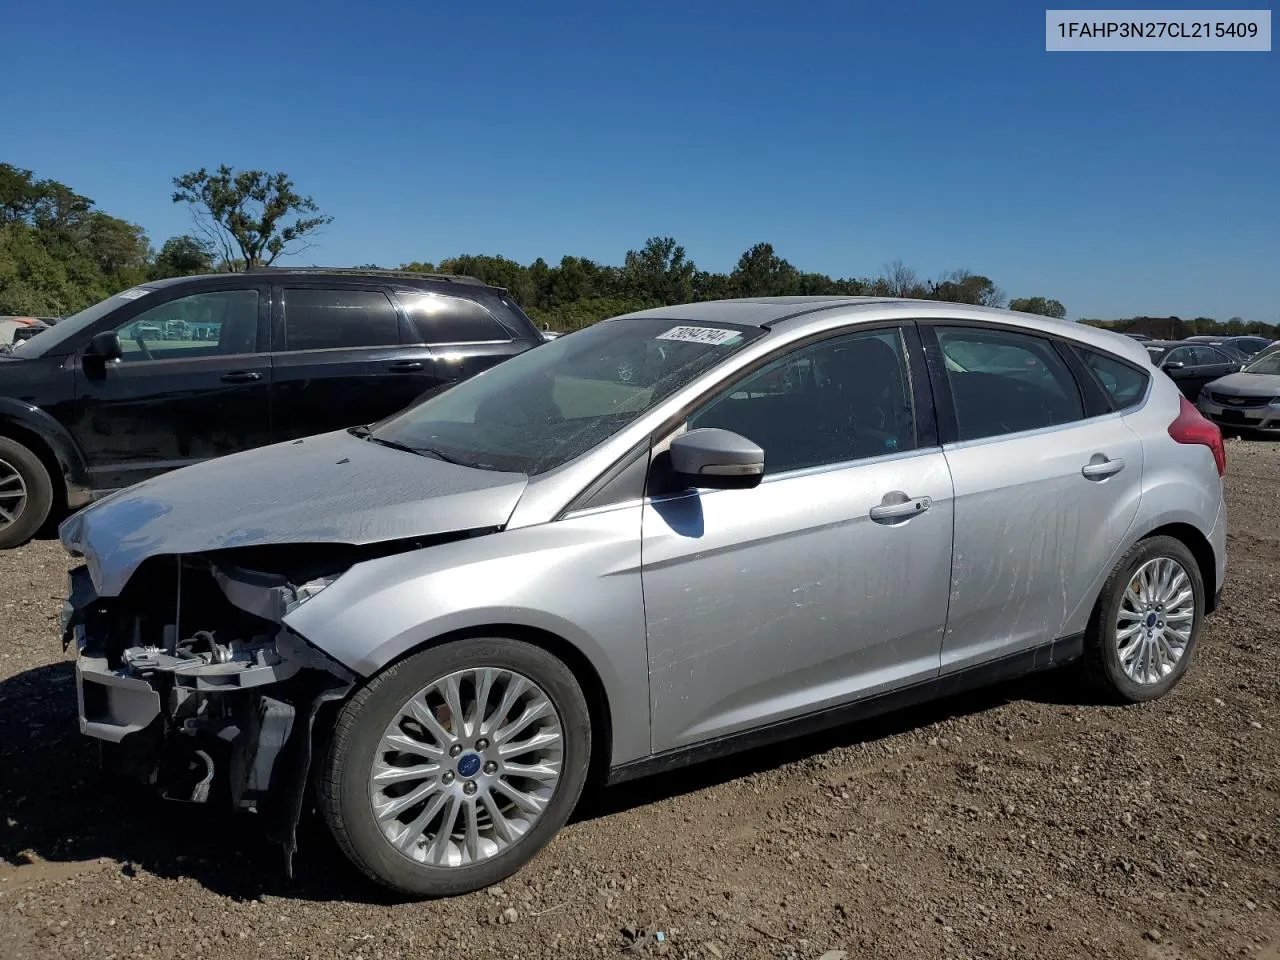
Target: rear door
172 399
1212 363
338 360
1047 481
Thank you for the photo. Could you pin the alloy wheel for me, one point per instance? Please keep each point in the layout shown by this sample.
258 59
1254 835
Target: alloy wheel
13 493
466 767
1154 623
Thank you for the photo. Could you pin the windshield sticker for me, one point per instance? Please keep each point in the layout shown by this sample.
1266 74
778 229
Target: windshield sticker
712 336
133 294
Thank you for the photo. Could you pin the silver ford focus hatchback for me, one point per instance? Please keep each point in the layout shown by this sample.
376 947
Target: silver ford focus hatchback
668 536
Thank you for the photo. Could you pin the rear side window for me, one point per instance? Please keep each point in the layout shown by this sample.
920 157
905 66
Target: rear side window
318 319
1124 384
1004 382
439 318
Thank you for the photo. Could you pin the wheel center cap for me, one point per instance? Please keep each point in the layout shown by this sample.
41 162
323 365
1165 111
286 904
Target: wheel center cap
469 765
1151 621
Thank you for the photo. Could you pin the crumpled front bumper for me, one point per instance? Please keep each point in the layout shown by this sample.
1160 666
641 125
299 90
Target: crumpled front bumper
240 728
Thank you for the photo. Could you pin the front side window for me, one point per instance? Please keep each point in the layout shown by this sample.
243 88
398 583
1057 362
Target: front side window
1183 355
220 322
546 406
1122 383
1005 382
316 319
443 319
830 402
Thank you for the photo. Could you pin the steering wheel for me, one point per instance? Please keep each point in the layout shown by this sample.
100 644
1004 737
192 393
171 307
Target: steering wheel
142 347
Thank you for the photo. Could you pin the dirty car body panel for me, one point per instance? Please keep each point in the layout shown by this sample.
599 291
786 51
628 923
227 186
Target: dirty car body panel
221 607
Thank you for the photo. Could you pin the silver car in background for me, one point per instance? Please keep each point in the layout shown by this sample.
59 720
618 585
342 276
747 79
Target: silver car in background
671 535
1248 400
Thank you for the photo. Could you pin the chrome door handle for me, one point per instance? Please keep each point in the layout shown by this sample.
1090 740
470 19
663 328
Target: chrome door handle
1099 468
902 509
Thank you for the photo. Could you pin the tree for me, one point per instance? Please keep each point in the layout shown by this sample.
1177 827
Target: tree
181 257
1046 308
244 214
762 273
660 272
961 286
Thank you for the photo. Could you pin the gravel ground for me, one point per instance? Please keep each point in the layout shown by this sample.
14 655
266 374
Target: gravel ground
1020 822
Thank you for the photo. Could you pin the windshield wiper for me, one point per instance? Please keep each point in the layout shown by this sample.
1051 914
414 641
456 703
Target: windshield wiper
365 433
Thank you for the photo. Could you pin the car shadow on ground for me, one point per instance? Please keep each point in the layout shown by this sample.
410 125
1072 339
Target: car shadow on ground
61 810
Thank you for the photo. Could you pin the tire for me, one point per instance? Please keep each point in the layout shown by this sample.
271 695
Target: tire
1102 659
347 795
30 513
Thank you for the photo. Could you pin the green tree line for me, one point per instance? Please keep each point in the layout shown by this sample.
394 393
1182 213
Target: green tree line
59 254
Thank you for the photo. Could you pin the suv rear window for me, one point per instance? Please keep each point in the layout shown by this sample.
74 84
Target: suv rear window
439 318
319 319
1125 385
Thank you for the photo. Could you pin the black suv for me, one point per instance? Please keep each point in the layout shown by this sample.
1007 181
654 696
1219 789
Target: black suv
173 372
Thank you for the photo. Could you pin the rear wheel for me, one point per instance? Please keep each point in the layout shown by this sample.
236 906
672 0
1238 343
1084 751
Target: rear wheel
26 493
453 768
1147 621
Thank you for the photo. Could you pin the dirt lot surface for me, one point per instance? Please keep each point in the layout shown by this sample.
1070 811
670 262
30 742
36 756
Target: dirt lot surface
1021 822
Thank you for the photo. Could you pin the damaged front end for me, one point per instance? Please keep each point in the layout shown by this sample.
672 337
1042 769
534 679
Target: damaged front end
192 683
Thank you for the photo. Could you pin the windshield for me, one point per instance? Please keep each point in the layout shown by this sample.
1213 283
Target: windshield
1269 363
47 341
554 402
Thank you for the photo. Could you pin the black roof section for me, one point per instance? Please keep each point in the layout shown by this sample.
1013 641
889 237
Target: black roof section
366 272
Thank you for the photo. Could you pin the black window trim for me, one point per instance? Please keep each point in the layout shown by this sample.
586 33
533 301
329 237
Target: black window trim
948 427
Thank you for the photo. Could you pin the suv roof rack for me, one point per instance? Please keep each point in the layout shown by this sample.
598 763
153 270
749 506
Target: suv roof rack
375 272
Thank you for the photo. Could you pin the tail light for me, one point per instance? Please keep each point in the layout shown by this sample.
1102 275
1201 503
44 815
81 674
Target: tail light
1192 427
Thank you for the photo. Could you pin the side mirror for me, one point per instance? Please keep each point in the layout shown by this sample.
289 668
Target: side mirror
105 346
1175 365
720 459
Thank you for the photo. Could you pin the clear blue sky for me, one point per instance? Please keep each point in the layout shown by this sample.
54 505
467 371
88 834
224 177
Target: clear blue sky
847 134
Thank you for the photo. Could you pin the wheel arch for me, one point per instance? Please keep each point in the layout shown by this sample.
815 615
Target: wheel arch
39 446
1195 541
584 671
52 444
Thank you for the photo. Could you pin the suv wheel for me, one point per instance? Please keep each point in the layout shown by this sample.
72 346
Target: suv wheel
451 769
26 493
1146 623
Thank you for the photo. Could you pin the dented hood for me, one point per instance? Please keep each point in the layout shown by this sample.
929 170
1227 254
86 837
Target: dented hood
333 488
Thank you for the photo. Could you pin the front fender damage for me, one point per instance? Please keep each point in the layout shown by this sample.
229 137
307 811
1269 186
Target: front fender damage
200 690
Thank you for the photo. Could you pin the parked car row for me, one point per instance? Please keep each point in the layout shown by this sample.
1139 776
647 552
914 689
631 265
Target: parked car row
659 539
1233 393
177 371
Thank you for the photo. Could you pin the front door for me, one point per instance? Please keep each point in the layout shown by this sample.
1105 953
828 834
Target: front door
1193 365
827 582
1044 496
193 383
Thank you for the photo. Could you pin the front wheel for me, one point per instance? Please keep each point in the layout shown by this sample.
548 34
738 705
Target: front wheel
1144 629
450 770
26 494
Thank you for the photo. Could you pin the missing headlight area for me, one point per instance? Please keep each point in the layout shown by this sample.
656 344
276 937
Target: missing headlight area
193 684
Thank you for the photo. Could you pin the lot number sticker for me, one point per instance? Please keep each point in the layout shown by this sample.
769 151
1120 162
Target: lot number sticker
712 336
133 294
